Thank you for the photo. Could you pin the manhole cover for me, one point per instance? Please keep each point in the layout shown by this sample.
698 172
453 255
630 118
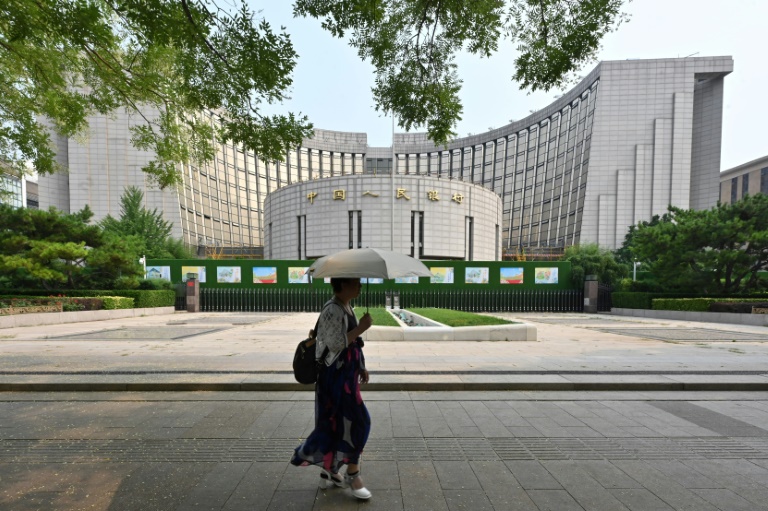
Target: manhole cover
685 334
141 334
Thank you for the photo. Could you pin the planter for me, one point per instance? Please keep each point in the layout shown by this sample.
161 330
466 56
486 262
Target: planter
31 309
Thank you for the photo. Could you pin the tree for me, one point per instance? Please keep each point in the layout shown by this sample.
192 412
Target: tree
152 232
590 259
53 250
166 62
412 45
163 61
715 251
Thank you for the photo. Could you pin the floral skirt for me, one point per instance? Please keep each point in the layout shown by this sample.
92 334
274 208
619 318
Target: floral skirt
342 422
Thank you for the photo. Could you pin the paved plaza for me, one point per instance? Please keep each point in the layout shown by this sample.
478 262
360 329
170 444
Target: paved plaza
601 413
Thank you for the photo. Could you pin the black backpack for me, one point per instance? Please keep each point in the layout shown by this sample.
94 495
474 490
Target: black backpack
305 365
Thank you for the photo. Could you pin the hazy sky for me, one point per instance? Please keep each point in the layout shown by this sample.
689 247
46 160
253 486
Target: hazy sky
332 85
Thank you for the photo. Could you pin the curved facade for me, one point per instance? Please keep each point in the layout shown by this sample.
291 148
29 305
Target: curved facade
425 217
630 139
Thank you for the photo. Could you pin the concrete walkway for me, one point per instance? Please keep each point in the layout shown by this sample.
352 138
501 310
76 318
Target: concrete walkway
229 351
643 439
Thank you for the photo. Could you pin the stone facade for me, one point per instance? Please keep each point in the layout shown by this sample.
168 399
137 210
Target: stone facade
747 179
425 217
631 138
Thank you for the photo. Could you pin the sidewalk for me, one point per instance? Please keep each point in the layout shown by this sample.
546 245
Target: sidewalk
253 352
651 443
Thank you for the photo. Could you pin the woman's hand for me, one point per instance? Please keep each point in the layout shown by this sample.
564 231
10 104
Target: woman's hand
365 322
364 376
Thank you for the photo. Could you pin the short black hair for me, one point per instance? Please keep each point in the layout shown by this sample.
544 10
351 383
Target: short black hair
337 283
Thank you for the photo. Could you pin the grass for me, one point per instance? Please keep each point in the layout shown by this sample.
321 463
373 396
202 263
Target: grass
458 318
445 316
379 316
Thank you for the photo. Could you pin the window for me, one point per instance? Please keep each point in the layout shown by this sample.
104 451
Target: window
764 180
745 185
734 187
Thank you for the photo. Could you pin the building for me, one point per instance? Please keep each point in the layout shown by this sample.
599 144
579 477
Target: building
631 138
748 178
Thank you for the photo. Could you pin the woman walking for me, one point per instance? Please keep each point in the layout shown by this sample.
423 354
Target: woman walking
342 422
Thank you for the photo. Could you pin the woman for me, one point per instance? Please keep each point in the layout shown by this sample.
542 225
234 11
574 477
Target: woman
342 423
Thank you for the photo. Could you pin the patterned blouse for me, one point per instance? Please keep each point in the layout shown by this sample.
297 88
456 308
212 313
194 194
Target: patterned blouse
332 330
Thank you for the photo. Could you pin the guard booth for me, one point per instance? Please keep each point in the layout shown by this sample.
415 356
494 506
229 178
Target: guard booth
193 293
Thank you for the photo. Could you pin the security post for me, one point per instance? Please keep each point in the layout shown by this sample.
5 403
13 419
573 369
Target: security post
193 293
590 293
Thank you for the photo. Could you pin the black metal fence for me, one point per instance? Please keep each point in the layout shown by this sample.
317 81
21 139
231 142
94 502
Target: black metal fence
310 300
604 303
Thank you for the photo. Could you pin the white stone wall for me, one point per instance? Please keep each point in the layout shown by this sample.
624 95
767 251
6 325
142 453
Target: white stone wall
327 219
656 138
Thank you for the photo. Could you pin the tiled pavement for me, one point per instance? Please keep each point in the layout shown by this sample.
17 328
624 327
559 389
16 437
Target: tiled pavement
631 449
427 451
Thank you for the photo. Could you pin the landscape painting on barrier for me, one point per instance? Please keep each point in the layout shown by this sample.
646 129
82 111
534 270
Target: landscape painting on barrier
546 276
441 275
200 270
407 280
158 272
228 275
371 281
476 275
265 275
298 275
512 275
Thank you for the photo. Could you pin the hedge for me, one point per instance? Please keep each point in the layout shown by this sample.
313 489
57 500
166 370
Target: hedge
141 298
636 300
706 304
117 302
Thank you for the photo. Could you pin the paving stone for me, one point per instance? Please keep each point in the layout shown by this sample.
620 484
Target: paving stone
456 475
582 487
421 487
467 500
638 499
297 500
501 487
726 499
256 488
677 496
554 500
532 475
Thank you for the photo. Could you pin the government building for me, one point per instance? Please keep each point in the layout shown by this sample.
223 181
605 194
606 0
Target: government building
633 137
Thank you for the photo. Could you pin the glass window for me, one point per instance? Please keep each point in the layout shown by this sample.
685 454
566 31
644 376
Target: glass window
734 187
764 180
745 185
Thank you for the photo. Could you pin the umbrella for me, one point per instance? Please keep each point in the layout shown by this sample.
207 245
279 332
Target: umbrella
368 263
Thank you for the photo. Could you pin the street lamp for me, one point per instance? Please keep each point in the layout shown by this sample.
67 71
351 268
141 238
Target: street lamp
143 261
634 270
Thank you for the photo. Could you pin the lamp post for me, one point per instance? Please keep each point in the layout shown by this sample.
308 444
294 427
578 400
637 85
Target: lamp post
635 264
143 261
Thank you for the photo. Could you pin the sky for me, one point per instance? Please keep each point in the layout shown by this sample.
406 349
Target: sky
332 85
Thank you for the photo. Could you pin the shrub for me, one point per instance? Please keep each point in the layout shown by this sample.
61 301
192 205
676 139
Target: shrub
156 284
682 304
741 307
142 298
626 300
117 302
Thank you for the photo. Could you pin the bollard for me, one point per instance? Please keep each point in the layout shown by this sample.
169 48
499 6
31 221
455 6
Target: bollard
193 293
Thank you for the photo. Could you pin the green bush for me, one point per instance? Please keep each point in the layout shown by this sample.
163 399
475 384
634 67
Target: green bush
156 284
740 307
682 304
627 300
117 302
141 298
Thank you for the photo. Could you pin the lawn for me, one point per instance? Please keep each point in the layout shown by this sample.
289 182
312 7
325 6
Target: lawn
379 315
458 318
445 316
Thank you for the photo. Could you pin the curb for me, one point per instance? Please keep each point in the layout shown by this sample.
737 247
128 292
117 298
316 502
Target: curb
389 387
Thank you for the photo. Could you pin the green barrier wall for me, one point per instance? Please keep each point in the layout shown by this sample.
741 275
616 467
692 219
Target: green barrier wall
283 267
